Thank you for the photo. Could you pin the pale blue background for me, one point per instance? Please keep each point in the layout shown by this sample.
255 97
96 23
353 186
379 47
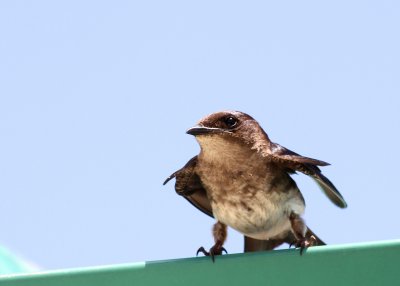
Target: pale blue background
96 96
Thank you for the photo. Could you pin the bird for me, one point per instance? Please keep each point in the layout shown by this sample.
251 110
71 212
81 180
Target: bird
243 180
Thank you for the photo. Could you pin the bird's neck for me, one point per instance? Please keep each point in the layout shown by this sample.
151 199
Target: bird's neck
225 152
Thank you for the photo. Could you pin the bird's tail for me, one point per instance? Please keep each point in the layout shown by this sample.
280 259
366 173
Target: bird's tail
318 241
252 245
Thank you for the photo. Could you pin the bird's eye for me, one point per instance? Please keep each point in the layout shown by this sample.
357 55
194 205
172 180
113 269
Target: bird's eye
230 121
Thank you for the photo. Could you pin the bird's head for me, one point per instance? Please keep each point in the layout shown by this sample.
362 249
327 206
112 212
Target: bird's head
234 127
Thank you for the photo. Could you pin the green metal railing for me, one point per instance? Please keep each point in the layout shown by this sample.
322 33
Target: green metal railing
375 263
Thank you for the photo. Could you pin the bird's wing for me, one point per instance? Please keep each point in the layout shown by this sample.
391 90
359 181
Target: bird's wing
200 201
188 185
308 166
252 245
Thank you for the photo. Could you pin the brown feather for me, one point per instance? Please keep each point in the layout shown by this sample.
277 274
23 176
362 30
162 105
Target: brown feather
308 166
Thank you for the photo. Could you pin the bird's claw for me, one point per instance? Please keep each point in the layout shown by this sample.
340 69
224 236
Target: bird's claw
304 243
215 250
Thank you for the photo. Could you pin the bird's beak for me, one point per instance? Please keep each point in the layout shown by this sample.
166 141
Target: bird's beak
201 130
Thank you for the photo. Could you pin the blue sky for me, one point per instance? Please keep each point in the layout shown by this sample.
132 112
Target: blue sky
96 96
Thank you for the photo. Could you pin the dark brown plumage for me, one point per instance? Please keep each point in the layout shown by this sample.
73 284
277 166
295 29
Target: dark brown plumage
242 179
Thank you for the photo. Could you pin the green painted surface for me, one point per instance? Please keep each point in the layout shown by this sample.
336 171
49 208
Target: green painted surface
354 264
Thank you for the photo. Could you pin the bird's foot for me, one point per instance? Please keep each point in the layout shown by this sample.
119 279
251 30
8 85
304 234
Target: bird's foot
215 250
304 243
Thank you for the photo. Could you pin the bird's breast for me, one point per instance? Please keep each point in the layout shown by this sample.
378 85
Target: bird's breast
249 196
